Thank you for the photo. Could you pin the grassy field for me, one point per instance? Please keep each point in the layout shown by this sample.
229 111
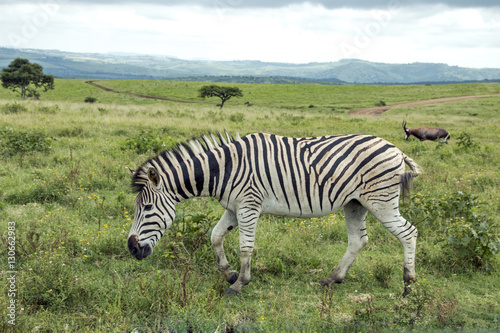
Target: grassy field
65 197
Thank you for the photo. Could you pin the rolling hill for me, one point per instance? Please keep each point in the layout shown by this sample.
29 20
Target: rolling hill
138 66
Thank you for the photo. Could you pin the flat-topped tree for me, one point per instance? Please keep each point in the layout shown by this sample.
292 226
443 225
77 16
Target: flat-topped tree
224 93
26 78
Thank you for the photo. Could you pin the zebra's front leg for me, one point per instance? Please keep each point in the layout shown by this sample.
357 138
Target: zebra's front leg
227 223
247 221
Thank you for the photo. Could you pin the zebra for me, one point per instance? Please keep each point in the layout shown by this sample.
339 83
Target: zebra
269 174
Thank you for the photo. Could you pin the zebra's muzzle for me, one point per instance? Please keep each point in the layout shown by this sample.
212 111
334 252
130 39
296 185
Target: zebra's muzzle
138 251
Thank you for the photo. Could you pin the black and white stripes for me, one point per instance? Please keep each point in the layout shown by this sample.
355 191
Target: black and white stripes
264 173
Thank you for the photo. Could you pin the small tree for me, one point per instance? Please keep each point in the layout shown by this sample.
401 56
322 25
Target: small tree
224 93
25 78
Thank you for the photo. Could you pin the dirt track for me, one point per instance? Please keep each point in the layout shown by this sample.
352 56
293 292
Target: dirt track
92 83
375 111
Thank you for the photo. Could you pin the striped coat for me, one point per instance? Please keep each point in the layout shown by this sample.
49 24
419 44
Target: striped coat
269 174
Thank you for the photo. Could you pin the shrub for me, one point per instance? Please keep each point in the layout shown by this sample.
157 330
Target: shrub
90 100
49 109
52 190
466 233
145 142
383 274
70 131
237 117
19 142
216 116
14 142
471 235
465 142
13 108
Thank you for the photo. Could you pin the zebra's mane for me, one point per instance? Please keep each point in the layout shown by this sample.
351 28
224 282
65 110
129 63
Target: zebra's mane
181 152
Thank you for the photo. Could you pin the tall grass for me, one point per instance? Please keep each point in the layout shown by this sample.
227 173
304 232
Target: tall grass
72 209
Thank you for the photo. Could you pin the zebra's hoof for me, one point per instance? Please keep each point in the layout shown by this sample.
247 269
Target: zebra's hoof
406 293
230 292
329 283
232 279
326 284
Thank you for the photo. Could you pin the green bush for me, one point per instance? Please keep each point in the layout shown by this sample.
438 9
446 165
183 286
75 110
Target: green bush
49 109
470 234
17 142
13 108
383 274
90 100
50 190
458 223
465 142
238 117
145 142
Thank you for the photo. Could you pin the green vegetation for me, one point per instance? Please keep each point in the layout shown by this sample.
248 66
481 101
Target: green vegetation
90 99
65 196
19 142
25 78
224 93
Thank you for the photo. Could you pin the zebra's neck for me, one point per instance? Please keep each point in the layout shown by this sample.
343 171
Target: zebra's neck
187 175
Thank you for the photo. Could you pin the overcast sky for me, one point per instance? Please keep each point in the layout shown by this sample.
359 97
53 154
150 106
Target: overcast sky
463 33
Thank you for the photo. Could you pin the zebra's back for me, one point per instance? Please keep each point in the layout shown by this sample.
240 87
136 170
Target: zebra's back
312 176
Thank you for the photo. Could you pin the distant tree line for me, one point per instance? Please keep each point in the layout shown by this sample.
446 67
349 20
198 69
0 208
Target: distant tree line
259 80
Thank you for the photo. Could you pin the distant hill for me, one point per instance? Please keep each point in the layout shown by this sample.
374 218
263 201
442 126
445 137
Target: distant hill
133 66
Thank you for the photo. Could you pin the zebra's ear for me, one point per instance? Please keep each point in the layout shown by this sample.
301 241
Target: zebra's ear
154 177
130 171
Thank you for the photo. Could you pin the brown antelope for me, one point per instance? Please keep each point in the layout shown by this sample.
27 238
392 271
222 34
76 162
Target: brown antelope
426 133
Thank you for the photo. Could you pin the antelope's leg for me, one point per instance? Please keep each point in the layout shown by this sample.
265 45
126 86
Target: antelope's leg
227 223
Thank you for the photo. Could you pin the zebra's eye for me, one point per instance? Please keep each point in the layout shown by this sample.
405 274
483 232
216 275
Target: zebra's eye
148 207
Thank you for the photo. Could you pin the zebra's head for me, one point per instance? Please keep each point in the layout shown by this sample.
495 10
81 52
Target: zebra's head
154 212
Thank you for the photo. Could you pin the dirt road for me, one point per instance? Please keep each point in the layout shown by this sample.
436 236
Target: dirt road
375 111
92 83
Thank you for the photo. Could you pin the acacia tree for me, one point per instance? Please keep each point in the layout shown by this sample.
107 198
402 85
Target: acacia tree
224 93
25 78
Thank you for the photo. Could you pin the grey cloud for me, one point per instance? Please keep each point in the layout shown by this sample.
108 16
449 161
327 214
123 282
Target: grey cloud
358 4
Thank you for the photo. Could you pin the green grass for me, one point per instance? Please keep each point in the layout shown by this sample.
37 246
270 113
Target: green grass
72 209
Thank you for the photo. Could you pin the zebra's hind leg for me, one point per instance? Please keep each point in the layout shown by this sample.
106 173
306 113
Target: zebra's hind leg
406 233
227 223
355 215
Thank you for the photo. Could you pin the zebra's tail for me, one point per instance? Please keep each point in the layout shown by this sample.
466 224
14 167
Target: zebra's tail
408 176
